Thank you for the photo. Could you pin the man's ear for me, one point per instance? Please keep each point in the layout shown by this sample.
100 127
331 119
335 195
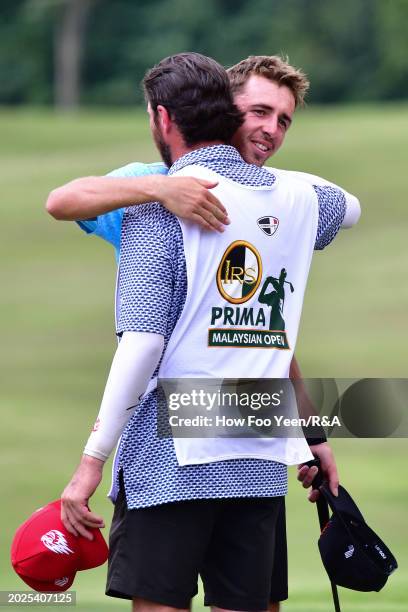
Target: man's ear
165 120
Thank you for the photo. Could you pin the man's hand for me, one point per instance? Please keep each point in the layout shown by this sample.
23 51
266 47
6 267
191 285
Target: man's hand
307 474
191 198
75 513
91 196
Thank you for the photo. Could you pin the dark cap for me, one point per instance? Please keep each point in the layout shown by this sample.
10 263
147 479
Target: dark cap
354 556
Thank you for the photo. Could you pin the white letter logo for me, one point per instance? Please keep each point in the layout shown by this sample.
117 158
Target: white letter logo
55 541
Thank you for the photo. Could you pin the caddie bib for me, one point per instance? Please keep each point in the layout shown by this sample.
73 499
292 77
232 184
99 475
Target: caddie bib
245 290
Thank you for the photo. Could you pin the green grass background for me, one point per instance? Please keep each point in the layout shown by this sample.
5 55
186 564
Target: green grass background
57 333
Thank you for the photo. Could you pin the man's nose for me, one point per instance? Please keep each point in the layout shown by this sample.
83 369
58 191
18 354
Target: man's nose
270 126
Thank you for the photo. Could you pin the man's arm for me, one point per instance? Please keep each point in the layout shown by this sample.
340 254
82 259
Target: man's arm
318 446
135 361
90 197
337 208
132 368
353 209
146 282
332 207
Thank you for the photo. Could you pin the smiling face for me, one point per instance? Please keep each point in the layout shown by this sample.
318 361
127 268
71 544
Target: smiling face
268 109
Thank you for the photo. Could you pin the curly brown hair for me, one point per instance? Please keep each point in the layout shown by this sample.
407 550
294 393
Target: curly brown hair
274 68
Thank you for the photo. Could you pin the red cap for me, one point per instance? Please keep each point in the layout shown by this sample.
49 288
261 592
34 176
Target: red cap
47 556
59 584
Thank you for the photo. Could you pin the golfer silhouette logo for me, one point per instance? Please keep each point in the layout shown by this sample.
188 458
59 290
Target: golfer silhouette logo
275 299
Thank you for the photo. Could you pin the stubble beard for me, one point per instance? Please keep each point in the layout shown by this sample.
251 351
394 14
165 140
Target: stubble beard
162 146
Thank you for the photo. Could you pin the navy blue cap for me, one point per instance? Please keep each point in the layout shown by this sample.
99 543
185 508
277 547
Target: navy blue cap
353 555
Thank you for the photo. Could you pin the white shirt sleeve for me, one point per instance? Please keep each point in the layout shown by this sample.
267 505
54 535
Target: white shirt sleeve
353 209
134 363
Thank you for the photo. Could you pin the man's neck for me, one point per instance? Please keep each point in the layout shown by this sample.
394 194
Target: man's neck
178 150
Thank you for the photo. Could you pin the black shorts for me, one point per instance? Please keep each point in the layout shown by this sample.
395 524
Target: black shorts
157 553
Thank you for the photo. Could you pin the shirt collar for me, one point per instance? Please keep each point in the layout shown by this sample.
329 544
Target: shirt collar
207 154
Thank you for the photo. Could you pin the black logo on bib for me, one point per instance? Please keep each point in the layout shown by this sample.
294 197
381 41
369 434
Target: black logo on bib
268 225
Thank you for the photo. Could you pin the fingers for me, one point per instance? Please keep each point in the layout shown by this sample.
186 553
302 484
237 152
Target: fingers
201 221
76 518
207 184
218 209
328 467
306 475
191 199
313 495
67 522
212 215
212 212
333 479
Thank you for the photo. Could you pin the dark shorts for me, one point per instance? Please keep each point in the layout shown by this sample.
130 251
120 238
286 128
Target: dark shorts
157 553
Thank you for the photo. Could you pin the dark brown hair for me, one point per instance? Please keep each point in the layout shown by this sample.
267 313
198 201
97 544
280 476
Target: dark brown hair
196 91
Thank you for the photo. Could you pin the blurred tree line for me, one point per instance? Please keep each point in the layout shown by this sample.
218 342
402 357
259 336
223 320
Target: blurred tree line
96 51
